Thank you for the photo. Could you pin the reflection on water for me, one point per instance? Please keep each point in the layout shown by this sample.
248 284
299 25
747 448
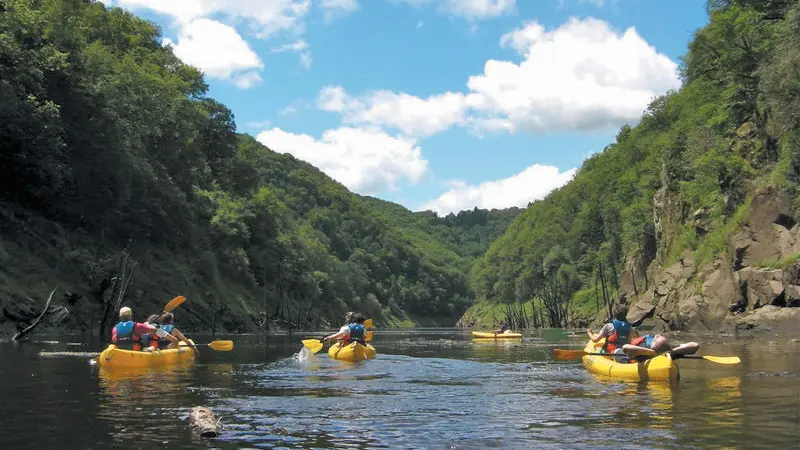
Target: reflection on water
426 389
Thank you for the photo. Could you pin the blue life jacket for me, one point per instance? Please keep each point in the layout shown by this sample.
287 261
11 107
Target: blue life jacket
126 338
125 331
622 333
356 332
168 329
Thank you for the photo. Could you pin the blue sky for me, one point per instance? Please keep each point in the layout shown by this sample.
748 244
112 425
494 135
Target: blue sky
433 104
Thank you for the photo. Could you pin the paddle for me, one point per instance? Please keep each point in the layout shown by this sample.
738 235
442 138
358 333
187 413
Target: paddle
219 346
174 303
577 354
368 334
313 345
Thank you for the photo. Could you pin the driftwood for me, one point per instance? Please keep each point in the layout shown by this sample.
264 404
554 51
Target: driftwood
21 333
202 420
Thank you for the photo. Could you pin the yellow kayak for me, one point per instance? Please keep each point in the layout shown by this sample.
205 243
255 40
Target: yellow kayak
508 334
351 352
113 357
659 368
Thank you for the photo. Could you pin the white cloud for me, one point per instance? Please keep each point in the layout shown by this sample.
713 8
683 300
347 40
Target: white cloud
534 183
295 46
480 9
218 50
305 60
264 17
411 115
582 75
469 9
247 80
367 161
338 8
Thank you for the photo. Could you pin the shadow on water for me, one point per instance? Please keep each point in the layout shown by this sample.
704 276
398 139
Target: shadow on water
433 388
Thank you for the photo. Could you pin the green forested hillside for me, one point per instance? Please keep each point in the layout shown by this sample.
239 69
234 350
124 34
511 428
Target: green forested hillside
731 128
113 158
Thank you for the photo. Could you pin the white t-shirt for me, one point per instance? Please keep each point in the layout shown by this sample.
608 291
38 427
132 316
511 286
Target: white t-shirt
346 330
161 333
607 330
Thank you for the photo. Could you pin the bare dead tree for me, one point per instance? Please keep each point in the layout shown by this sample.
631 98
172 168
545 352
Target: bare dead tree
23 332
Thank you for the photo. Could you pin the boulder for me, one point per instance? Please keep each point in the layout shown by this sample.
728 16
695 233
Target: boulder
769 317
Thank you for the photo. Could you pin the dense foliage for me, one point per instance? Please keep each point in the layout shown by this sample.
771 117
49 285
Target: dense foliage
109 139
697 152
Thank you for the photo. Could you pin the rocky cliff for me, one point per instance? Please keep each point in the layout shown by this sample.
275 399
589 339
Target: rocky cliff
753 283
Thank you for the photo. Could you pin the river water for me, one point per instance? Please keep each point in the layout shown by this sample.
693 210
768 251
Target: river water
427 389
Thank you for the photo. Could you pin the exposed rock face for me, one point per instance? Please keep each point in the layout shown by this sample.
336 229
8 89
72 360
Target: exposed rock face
738 289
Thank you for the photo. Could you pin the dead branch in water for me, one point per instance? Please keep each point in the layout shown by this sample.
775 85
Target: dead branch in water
21 334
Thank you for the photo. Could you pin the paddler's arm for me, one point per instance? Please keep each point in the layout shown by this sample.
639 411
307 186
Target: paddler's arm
177 333
343 333
596 337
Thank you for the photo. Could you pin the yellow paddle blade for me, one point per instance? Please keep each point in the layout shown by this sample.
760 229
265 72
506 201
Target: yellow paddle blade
368 323
174 303
313 345
368 336
723 359
568 354
221 346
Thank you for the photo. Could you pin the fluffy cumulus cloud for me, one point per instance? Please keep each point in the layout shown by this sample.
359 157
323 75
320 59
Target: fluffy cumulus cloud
218 50
582 75
412 115
264 17
534 183
365 160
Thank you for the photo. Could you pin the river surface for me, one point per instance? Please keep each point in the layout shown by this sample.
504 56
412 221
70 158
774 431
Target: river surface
427 389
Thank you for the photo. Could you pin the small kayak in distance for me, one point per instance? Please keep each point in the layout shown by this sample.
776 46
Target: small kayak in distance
508 334
115 358
659 368
351 352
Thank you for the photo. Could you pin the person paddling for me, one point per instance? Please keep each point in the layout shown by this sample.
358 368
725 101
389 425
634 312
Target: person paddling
618 332
128 333
503 328
148 342
167 324
353 330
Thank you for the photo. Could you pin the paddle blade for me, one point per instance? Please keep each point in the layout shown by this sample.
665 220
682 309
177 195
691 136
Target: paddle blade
313 345
368 323
174 303
568 355
368 336
221 346
723 359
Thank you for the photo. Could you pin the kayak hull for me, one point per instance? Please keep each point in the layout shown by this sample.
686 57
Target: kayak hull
351 352
115 358
659 368
506 335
